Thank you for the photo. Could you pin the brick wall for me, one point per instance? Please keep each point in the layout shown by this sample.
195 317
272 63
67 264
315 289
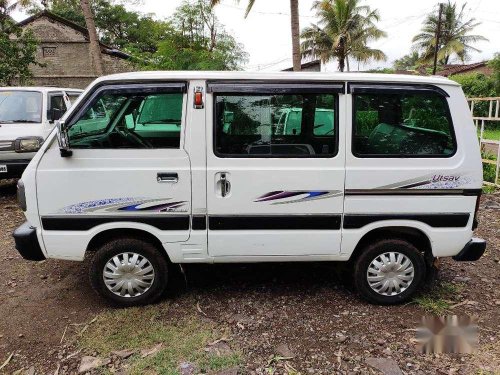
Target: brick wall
65 54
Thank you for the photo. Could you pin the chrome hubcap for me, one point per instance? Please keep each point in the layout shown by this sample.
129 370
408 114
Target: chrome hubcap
390 273
128 274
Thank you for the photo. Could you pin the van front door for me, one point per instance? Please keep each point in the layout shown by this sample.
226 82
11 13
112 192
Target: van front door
275 169
128 167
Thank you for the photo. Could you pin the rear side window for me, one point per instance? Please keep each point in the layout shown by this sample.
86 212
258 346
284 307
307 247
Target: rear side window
130 119
402 124
284 125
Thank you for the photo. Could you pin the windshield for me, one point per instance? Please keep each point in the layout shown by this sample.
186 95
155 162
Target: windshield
20 107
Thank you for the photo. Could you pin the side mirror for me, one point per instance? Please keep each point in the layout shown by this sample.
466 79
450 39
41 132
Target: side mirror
63 139
55 114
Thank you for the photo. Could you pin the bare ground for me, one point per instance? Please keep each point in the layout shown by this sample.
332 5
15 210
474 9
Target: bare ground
270 311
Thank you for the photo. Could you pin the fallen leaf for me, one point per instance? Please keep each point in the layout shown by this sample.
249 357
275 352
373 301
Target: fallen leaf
148 352
199 309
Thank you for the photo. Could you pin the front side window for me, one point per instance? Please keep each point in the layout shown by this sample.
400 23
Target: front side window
72 96
402 125
286 125
20 107
129 120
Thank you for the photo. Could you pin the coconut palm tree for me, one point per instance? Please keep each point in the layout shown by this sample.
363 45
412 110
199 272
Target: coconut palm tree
95 48
345 28
454 39
295 26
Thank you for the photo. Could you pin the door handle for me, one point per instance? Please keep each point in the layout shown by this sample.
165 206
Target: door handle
167 177
225 185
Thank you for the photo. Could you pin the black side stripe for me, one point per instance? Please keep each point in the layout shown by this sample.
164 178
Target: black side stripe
269 222
458 220
199 222
461 192
81 222
312 222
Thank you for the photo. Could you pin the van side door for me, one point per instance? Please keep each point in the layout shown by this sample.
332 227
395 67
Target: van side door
272 192
128 168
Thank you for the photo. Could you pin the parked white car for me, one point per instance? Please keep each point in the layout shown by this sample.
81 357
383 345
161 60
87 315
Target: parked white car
150 169
27 116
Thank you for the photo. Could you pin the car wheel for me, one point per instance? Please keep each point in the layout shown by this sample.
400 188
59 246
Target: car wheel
129 272
389 271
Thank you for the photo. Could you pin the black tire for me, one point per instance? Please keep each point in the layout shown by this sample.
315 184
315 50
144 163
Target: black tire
378 248
123 245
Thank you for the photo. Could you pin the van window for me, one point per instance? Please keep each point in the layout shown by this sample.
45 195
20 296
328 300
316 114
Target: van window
287 125
73 96
402 125
56 104
130 120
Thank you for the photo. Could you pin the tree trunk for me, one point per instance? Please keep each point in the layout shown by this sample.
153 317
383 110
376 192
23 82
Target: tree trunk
95 49
341 63
347 63
294 11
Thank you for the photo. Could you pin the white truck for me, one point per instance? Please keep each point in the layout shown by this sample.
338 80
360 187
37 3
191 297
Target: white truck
152 169
27 116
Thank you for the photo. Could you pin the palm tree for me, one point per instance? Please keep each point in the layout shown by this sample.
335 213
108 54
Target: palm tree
295 26
345 28
454 39
95 48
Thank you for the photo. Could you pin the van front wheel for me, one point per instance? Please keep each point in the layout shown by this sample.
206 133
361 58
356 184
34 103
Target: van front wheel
389 271
129 272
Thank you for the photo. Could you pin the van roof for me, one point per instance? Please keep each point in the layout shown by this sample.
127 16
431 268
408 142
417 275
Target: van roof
37 88
284 76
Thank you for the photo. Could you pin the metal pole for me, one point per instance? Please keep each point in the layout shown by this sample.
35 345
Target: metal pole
438 33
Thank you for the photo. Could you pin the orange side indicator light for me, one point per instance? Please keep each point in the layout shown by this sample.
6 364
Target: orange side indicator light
198 97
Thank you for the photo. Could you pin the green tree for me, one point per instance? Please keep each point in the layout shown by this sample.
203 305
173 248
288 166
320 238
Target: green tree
17 47
294 25
196 41
455 39
495 65
344 30
407 62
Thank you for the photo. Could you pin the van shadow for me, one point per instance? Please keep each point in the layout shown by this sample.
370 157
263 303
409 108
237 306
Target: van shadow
278 277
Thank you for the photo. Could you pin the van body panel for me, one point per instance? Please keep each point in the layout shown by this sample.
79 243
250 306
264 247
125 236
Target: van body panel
269 214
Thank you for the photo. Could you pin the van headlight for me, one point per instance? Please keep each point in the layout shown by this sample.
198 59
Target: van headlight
21 195
28 144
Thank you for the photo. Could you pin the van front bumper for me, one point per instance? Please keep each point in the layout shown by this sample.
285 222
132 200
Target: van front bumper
472 251
15 168
27 242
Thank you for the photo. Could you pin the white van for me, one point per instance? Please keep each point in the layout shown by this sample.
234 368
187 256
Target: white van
151 169
27 116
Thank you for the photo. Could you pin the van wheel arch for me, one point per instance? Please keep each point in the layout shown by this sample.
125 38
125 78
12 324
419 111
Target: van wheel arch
111 234
415 236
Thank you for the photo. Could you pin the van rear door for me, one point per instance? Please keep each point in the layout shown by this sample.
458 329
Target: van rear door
274 188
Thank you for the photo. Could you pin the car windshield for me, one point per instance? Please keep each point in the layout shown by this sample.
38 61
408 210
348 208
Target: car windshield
20 107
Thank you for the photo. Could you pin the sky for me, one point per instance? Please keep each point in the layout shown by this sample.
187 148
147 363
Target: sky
266 34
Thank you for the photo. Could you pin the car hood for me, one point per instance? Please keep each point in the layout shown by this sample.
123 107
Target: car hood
10 132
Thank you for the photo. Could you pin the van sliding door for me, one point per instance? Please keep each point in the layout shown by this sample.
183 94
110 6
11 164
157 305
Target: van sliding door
275 168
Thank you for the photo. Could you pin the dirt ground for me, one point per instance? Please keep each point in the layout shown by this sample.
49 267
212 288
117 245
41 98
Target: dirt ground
300 312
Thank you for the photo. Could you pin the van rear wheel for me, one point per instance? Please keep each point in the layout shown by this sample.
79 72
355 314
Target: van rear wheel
129 272
389 271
